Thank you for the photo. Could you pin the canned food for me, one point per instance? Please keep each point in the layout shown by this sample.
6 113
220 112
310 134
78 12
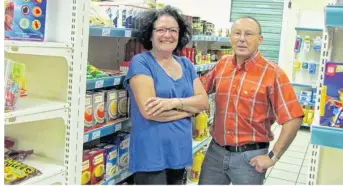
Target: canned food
196 26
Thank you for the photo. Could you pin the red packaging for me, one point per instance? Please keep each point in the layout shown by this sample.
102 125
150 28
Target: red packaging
184 51
97 162
86 169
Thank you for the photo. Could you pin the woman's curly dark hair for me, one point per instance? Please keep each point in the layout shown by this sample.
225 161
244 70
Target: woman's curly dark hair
149 18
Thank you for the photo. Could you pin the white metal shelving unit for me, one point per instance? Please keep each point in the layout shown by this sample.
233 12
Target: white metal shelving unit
323 138
48 120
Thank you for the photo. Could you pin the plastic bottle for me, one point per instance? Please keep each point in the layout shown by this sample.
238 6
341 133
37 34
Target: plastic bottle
200 126
307 44
317 43
310 115
298 42
305 114
196 167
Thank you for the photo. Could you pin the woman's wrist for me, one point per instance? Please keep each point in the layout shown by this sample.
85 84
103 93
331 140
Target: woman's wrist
177 103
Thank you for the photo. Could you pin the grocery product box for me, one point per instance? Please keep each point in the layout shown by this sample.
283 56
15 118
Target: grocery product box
25 20
86 169
122 103
123 138
98 109
111 161
97 162
111 105
88 115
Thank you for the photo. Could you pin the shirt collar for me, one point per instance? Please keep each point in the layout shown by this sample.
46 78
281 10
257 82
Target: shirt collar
248 63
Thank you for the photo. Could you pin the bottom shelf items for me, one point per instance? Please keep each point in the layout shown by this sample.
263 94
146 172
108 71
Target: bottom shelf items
52 172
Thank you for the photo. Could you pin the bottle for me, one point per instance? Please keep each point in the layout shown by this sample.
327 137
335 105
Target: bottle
298 42
196 167
307 44
317 43
310 115
297 65
305 114
200 126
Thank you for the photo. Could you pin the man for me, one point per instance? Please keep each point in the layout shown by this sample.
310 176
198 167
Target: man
251 93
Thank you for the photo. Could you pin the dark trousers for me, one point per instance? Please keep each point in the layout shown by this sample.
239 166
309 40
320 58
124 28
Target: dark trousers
164 177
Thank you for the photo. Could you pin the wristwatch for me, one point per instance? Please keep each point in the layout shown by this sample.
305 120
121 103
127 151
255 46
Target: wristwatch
272 156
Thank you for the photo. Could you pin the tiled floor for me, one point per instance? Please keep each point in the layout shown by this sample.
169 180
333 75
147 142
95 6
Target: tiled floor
292 168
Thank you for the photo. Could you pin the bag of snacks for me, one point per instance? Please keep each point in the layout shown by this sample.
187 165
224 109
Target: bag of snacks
17 172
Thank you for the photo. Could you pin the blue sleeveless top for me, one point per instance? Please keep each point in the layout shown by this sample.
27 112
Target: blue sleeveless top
156 145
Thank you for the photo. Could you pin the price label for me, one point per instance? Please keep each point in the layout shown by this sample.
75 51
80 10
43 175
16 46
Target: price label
116 81
85 138
118 127
99 84
128 33
106 32
96 135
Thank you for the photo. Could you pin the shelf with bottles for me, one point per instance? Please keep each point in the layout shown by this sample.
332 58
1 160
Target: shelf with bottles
309 29
306 57
193 172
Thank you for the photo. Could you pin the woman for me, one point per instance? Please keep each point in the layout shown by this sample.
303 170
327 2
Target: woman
164 93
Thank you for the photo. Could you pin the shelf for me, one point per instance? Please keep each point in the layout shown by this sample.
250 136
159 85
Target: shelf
333 16
197 145
100 31
327 136
204 67
304 85
50 170
309 29
116 179
104 131
210 38
104 82
37 48
35 109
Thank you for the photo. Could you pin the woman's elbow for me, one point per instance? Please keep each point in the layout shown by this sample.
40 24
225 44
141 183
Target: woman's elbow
205 104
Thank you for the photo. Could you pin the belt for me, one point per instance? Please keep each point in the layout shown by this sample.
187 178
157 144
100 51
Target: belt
243 148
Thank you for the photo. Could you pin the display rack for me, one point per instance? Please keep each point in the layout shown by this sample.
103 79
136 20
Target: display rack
325 136
48 119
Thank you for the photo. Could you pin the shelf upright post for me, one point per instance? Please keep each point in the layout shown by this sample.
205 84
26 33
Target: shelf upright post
76 90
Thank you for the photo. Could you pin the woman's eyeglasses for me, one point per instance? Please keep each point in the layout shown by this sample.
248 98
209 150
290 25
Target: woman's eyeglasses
173 31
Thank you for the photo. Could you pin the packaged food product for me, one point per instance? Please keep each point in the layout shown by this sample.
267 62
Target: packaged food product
17 172
122 103
123 141
98 109
86 169
97 163
88 117
111 105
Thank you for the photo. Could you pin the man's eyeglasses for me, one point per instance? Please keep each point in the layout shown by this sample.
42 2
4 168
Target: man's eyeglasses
247 35
173 31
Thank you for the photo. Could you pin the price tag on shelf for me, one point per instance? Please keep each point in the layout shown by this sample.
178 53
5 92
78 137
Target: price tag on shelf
106 32
128 33
99 84
116 81
96 135
118 127
85 138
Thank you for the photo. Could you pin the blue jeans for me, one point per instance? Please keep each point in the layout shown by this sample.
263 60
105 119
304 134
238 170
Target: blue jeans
221 167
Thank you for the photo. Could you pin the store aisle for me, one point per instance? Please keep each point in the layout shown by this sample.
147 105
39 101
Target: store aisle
292 168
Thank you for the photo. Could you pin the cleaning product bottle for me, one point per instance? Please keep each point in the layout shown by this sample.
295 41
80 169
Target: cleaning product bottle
305 110
310 115
297 65
200 126
196 167
298 42
307 44
317 43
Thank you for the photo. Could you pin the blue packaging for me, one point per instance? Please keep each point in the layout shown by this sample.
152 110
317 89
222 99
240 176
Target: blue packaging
111 161
123 149
304 65
312 68
25 20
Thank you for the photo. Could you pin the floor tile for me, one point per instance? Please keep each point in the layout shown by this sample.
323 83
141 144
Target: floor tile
290 160
287 167
300 184
285 175
275 181
293 154
304 170
297 149
268 172
302 178
300 144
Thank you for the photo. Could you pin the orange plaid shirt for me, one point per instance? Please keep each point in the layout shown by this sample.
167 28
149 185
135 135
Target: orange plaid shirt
249 98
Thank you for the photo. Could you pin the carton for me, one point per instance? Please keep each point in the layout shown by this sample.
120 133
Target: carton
86 170
111 105
88 115
98 109
97 163
122 103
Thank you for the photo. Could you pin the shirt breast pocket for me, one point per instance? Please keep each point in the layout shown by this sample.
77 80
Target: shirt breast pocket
252 101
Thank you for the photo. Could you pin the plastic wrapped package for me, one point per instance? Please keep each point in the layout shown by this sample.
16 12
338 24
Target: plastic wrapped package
17 172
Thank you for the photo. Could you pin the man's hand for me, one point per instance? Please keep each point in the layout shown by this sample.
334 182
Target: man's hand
261 163
155 106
